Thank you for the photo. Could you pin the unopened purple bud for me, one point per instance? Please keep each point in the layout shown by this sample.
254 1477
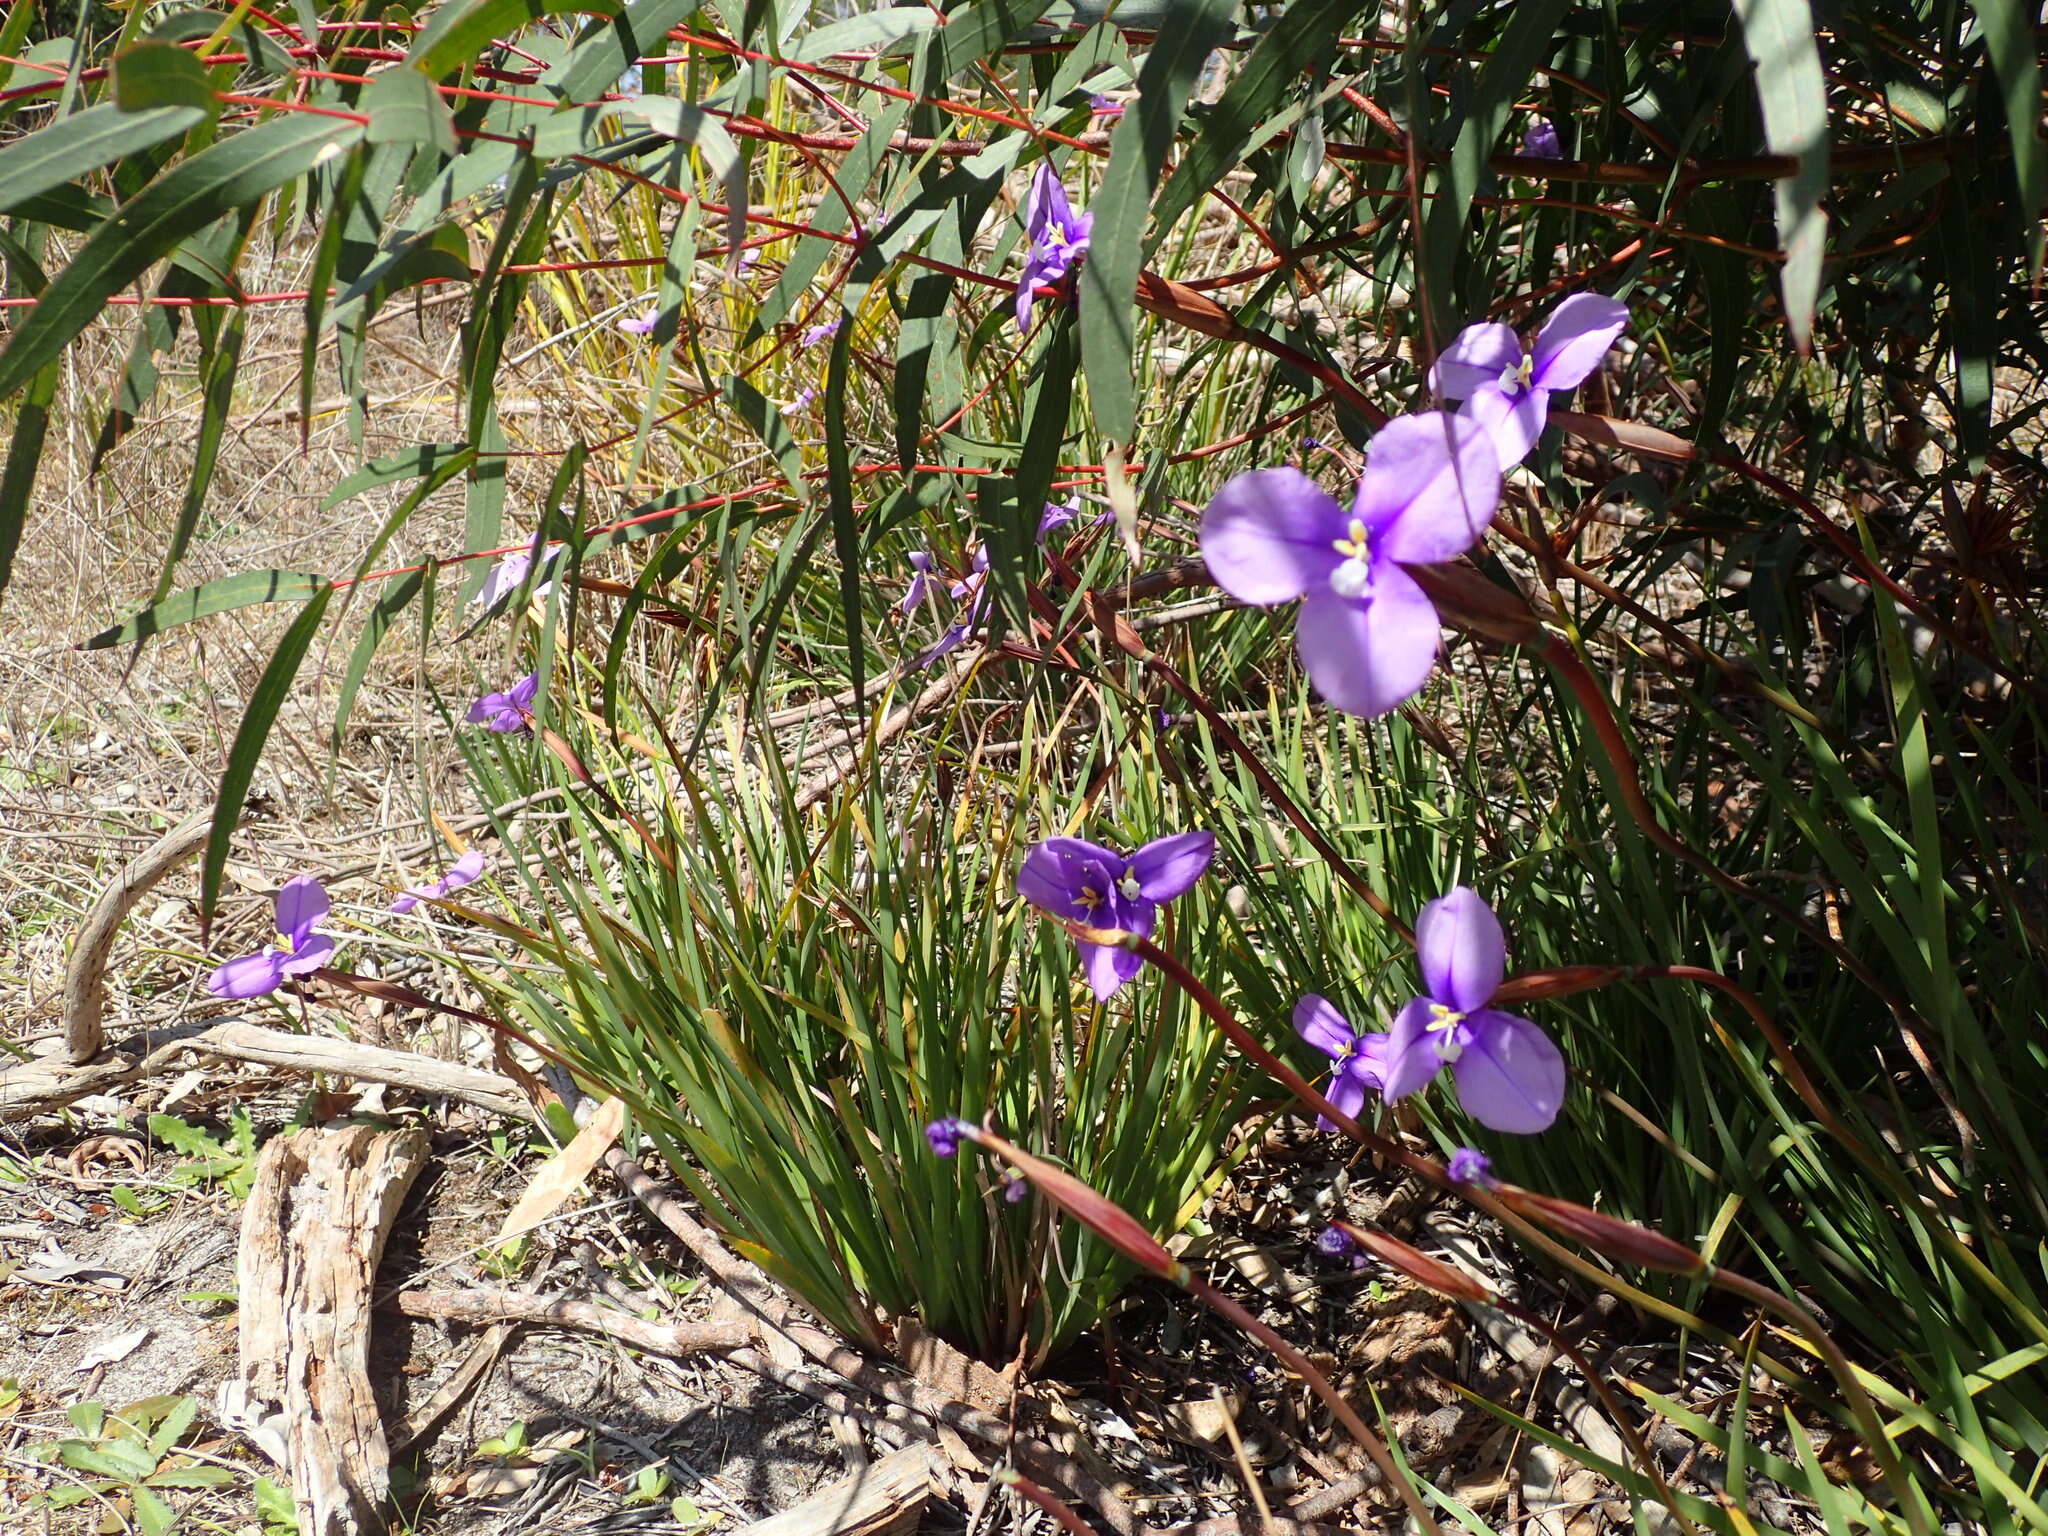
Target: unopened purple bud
1311 444
946 1135
822 332
1470 1166
1016 1190
1542 141
1334 1243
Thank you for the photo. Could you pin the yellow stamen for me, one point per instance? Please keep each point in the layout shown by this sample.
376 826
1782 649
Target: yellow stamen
1358 546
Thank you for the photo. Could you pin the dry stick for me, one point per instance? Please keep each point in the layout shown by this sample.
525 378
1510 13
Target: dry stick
31 1087
491 1304
832 776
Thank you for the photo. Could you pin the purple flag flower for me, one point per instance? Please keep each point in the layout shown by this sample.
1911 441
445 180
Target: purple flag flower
1335 1243
1471 1166
301 903
642 325
1058 235
1542 141
508 573
509 711
973 585
1367 633
1087 883
921 564
823 331
1059 513
1510 1076
803 399
1360 1056
946 1135
1508 391
460 873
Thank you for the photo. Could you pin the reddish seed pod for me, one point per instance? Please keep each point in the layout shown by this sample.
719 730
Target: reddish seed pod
1417 1265
1622 1240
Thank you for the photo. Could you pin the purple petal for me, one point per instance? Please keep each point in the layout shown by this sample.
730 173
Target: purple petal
487 709
1511 1076
1412 1058
464 870
1270 535
1430 487
406 901
1056 871
1542 142
1347 1093
1512 419
1461 949
1322 1026
1468 1165
1575 338
951 640
1369 1065
301 903
523 691
1367 656
1167 866
309 956
1479 354
1027 295
503 580
250 976
1107 968
641 326
1047 203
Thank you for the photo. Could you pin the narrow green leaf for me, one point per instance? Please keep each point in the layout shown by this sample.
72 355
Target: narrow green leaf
383 614
758 412
258 715
689 124
408 464
2011 40
153 75
73 146
877 32
185 200
1302 39
24 457
1137 151
455 34
1793 93
242 590
217 397
606 48
404 108
845 521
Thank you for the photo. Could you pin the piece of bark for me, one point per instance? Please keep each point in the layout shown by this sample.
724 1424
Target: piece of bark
884 1499
85 974
314 1229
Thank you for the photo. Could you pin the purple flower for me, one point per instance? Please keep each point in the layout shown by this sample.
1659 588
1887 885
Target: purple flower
824 331
643 325
1058 235
1367 633
1471 1166
1335 1243
511 710
506 576
1311 444
1509 1075
1016 1189
975 585
803 399
301 903
460 873
1542 142
1508 391
946 1135
1087 883
921 563
1360 1055
1105 106
1059 513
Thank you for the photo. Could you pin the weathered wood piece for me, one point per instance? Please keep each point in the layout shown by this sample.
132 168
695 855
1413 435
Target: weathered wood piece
312 1234
85 974
884 1499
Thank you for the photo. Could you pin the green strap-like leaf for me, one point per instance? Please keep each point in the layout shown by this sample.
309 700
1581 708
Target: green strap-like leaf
404 108
1793 94
258 715
457 33
73 146
383 614
1109 277
185 200
242 590
2011 40
845 520
158 74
